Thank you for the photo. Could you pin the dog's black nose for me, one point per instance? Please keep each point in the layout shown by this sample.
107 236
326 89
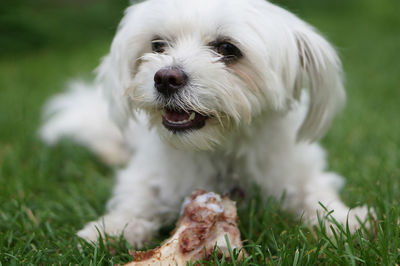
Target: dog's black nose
169 80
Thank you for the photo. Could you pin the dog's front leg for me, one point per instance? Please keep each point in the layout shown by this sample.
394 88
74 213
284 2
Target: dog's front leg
149 193
134 211
309 190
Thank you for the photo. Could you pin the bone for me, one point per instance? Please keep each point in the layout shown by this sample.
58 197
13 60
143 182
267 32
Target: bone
206 220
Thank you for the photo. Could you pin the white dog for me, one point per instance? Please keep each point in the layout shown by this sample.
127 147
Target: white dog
207 94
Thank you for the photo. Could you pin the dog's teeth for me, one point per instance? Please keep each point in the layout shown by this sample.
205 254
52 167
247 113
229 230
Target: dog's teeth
192 116
178 122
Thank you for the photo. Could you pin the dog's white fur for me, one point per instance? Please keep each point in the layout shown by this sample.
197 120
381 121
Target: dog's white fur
263 124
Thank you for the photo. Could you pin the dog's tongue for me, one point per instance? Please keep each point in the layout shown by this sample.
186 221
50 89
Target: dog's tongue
177 116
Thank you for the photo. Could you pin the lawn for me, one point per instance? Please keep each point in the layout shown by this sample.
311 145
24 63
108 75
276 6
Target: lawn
47 194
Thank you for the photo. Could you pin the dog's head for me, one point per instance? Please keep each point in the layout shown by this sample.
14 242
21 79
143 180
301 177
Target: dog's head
202 68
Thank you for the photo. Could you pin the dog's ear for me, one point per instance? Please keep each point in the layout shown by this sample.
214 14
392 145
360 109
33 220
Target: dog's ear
114 74
320 65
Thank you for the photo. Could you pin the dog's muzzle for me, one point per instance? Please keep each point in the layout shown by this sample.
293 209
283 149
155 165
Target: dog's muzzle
169 81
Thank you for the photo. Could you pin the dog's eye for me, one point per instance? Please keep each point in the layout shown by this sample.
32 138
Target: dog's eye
229 51
158 46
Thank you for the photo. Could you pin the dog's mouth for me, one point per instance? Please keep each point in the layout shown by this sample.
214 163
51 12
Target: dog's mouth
179 120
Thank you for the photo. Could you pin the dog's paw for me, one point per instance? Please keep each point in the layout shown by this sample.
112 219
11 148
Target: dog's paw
351 219
358 216
136 231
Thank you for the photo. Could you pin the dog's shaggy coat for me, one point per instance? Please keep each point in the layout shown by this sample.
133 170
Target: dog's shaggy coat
257 88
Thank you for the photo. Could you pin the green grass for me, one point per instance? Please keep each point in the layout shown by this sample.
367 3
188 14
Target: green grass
47 194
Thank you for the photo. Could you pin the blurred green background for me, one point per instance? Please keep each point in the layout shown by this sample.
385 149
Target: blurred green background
46 195
31 25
